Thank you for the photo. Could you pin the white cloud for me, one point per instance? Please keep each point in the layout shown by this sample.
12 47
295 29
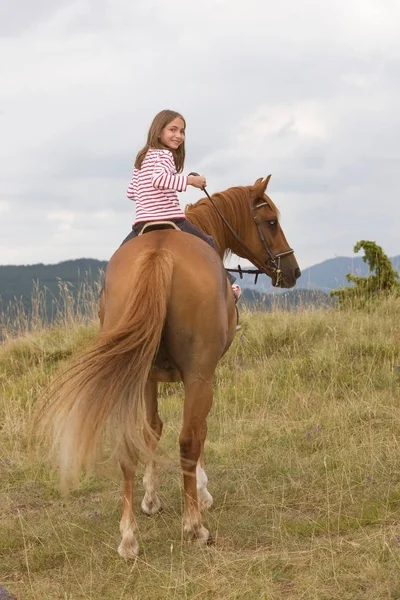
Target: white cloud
308 91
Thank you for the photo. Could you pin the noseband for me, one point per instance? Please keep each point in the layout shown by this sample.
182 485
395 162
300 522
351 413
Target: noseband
274 260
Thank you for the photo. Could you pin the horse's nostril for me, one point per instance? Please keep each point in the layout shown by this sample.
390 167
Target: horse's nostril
297 272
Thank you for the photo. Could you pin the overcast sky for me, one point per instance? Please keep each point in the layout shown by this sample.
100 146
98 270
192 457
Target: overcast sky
308 90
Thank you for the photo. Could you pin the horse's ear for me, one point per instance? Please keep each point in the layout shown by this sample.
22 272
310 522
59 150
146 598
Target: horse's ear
266 182
259 187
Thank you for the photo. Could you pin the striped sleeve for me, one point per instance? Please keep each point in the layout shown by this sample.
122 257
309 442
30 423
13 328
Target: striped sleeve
129 192
164 174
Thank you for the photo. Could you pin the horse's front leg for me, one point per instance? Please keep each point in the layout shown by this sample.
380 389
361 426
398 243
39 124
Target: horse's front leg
151 502
198 400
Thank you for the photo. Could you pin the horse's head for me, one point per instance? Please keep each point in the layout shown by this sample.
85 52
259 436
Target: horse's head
266 240
245 221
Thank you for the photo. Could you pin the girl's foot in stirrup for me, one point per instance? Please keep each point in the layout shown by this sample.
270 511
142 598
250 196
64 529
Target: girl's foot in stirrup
237 292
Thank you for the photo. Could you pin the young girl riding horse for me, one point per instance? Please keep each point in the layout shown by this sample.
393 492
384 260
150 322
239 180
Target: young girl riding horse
157 178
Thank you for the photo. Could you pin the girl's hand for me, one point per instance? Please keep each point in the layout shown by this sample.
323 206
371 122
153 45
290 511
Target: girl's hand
197 181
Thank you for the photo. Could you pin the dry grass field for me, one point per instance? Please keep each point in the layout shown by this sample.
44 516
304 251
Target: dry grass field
303 459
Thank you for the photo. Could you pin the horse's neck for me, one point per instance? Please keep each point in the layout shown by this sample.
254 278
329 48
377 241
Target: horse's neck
207 218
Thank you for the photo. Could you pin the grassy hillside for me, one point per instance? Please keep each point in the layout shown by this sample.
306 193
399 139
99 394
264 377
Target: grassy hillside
303 458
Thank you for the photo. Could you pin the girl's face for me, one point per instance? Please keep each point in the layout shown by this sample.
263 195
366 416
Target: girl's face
173 134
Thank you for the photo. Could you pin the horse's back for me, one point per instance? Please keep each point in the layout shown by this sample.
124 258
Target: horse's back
196 264
200 312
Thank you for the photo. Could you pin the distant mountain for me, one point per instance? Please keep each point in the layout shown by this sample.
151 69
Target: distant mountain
18 281
325 276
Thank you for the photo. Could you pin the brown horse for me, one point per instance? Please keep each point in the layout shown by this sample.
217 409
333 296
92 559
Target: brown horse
167 314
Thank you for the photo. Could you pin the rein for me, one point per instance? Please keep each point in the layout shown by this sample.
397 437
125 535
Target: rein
274 259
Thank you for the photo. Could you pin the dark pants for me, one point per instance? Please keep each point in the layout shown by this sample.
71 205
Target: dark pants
187 227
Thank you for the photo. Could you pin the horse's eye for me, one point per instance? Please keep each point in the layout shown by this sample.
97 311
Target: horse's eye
272 223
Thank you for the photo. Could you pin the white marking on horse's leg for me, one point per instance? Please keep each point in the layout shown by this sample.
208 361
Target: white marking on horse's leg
129 547
151 503
204 497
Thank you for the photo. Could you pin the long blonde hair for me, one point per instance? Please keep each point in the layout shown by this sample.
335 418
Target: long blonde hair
161 120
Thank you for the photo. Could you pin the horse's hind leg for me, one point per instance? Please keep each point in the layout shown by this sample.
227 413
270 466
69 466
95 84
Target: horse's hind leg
151 502
129 546
198 400
204 497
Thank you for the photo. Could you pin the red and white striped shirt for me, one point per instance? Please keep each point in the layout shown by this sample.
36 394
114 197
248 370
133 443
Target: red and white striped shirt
154 188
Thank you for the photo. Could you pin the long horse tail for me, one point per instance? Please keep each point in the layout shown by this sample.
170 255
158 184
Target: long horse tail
106 383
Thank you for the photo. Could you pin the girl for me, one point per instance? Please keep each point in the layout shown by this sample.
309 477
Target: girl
157 179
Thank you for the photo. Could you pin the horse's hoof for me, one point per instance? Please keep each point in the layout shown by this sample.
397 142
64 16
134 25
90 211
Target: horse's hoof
199 535
151 507
128 552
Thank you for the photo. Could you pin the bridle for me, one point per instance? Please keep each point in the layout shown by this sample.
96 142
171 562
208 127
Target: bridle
274 260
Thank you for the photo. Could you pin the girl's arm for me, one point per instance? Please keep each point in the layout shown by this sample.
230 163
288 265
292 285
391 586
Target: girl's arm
129 192
164 174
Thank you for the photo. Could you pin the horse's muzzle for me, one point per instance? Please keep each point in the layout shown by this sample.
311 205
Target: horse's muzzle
286 278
